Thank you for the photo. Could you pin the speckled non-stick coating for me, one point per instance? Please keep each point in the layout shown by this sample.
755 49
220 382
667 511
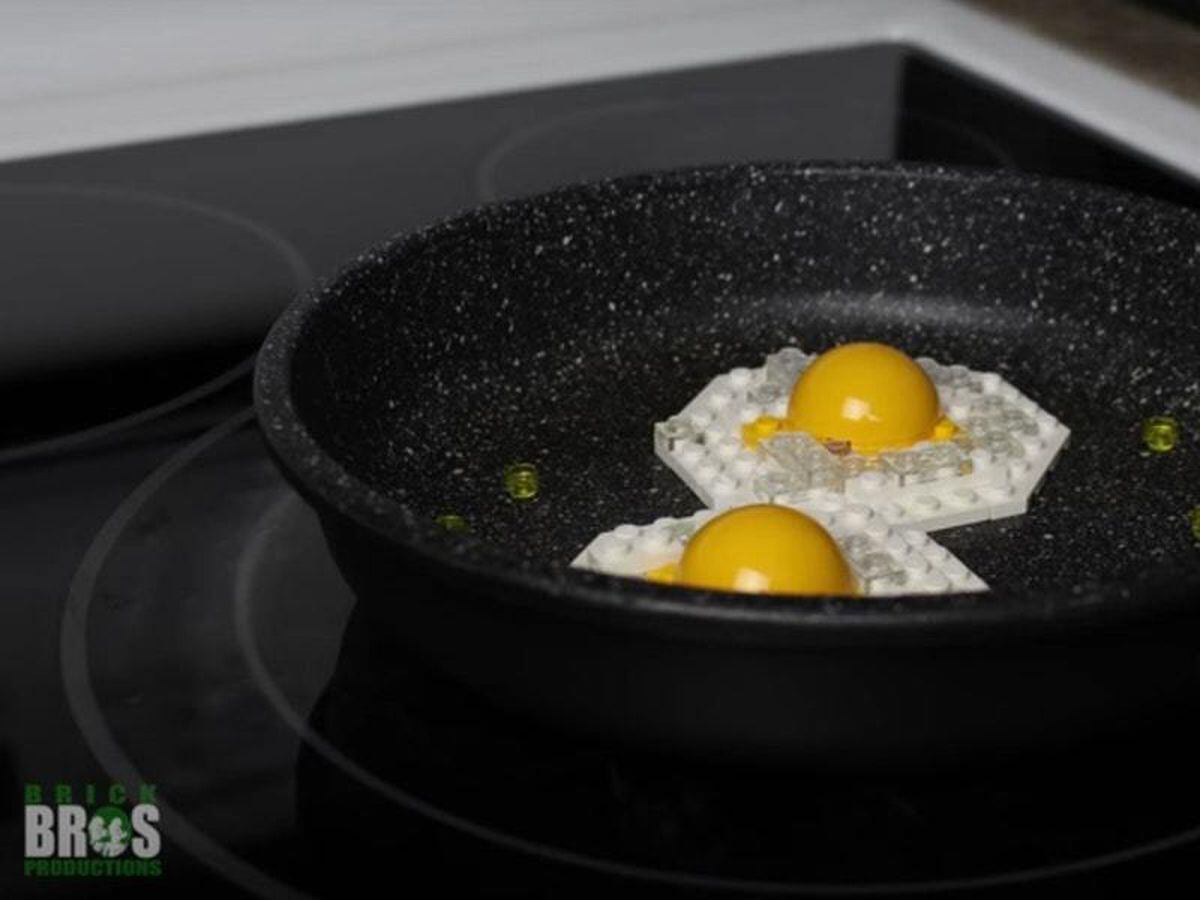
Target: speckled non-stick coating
558 330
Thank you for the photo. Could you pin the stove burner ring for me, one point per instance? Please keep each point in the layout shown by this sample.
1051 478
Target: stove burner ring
245 631
298 269
653 133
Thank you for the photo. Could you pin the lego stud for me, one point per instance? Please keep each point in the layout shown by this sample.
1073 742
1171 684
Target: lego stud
451 522
1194 522
521 481
1160 434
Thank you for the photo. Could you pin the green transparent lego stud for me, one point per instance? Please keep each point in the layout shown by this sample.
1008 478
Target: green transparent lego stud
452 522
521 481
1160 434
1194 522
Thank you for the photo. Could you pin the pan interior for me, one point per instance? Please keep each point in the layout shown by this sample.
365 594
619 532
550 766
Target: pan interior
556 331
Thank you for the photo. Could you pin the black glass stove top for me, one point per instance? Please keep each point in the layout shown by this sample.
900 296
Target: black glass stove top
170 614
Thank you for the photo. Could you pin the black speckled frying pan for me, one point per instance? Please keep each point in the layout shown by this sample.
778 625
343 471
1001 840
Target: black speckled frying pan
558 329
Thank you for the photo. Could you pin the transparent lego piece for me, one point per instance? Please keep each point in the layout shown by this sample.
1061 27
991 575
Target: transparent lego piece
767 393
1018 423
988 382
784 367
901 465
718 401
680 531
1000 445
877 570
810 465
727 450
739 379
945 459
774 486
856 546
956 376
932 462
935 370
964 442
670 434
990 406
978 428
854 465
998 426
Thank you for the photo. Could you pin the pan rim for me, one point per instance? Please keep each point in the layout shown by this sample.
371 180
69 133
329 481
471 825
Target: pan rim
628 602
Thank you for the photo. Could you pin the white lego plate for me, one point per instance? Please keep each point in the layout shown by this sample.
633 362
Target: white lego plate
1007 445
886 559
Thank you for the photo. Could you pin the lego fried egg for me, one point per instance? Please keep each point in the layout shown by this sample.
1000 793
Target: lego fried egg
845 549
920 443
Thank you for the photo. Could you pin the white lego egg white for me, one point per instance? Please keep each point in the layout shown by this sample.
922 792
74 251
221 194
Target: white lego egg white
989 471
887 560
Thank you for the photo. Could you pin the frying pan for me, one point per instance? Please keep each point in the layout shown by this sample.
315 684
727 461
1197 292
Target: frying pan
557 329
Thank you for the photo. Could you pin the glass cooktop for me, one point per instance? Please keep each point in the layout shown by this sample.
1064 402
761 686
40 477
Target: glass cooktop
171 617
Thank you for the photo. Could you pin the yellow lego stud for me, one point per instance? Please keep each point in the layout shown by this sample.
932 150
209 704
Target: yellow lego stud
452 522
1160 434
760 429
521 481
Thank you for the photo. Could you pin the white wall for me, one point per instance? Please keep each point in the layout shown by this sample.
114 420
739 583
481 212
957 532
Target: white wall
86 73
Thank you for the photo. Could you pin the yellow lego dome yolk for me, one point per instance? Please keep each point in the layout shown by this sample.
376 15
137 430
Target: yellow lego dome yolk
765 550
870 396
